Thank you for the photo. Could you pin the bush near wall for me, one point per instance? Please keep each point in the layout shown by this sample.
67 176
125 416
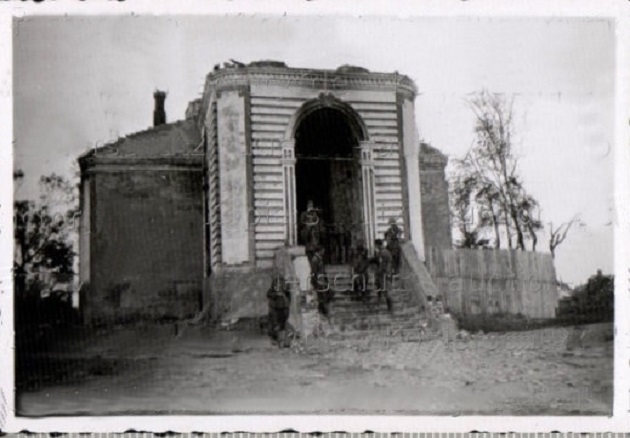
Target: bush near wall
591 302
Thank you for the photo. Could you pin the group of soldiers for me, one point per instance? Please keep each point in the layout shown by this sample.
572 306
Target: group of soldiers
386 262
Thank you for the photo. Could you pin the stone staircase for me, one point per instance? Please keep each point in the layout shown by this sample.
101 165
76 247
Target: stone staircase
356 319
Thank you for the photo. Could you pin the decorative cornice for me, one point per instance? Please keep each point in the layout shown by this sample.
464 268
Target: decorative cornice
102 163
311 79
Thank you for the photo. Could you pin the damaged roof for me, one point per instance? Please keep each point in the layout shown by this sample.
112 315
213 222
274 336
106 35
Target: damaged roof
180 139
430 156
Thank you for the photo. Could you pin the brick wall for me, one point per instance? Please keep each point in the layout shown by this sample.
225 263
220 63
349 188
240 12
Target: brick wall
146 245
434 195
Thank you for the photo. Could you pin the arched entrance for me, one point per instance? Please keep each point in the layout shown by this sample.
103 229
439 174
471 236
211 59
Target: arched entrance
328 174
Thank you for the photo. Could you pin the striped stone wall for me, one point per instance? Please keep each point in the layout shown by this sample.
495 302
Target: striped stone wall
271 115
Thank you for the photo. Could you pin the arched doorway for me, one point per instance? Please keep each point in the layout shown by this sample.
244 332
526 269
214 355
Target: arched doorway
328 174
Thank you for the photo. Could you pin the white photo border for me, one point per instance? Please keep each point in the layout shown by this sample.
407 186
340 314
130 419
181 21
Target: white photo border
619 11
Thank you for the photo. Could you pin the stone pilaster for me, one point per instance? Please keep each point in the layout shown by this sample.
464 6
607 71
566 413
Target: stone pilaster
288 185
369 212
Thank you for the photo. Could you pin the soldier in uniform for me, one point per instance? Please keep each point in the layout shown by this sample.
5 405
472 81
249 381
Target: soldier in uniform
392 237
311 229
384 273
319 281
360 278
279 302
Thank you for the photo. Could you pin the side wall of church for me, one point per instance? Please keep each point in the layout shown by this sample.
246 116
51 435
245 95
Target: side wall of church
146 238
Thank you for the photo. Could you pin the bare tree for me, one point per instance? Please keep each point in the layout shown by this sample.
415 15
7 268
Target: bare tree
557 235
500 192
463 217
474 209
530 217
488 196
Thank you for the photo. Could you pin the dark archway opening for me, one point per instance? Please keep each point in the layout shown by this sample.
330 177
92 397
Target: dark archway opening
328 173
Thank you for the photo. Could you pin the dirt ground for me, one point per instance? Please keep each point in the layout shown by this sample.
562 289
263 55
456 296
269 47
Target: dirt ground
552 371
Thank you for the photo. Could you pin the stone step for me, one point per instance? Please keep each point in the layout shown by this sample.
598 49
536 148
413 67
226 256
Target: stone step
337 269
381 315
372 301
392 317
404 334
347 289
371 289
360 320
379 311
349 293
376 309
379 321
376 324
373 307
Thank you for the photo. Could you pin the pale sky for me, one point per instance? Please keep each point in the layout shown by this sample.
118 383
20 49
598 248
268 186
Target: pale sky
84 81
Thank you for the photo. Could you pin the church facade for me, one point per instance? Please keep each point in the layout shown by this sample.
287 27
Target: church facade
170 210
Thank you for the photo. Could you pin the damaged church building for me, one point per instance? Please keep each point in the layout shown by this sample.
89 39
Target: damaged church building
192 216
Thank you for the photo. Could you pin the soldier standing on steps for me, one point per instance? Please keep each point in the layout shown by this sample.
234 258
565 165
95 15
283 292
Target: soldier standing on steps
384 273
359 280
279 302
392 237
319 281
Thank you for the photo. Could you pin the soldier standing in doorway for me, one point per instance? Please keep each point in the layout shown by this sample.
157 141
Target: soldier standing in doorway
384 273
311 229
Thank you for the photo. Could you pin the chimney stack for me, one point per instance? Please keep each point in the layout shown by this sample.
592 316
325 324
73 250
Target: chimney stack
159 115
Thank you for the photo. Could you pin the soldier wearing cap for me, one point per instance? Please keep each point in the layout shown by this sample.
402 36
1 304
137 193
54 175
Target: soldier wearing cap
311 229
319 281
392 237
384 273
360 270
279 303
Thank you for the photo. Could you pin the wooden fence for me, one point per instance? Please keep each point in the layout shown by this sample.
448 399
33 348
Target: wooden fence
495 281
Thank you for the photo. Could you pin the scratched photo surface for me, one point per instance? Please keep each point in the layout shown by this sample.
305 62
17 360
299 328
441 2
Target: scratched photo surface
303 215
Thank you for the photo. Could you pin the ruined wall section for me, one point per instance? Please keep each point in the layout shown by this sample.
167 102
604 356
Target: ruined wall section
436 217
146 239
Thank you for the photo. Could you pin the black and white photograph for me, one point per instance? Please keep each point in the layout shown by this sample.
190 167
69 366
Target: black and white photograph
273 214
